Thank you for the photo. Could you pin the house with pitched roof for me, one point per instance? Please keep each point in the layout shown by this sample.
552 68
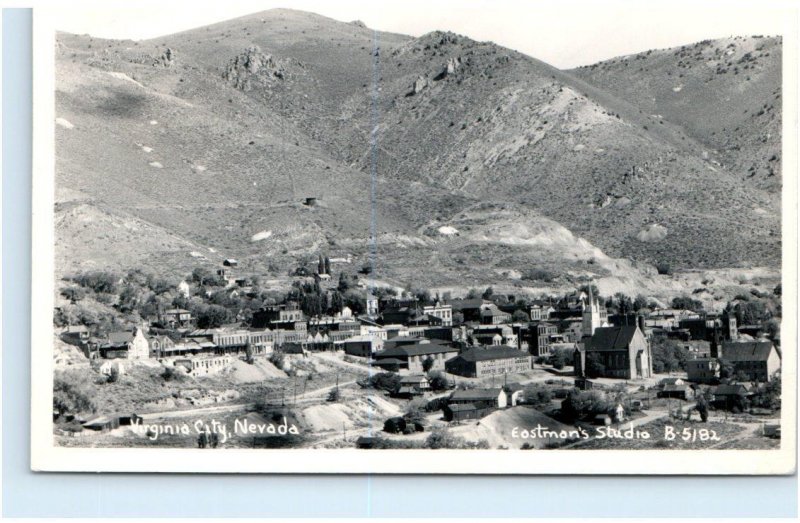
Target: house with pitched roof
758 359
131 345
474 403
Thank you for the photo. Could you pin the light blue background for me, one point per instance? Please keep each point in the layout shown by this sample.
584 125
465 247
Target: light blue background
130 495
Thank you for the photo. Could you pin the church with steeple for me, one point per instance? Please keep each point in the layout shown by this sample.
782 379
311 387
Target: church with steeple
621 352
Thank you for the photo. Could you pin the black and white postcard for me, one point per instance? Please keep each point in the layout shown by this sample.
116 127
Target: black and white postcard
420 237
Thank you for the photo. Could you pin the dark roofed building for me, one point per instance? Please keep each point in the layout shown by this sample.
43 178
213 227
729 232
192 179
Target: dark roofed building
615 352
479 397
486 361
412 356
469 308
759 360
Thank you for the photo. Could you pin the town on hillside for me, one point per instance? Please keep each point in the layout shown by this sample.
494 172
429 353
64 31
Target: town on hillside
340 362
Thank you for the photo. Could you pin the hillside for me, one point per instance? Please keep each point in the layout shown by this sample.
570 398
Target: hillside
489 162
725 93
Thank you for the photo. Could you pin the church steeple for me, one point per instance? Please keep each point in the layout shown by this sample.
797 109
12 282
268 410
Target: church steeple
592 317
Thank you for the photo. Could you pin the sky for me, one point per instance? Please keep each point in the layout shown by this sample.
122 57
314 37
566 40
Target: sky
565 34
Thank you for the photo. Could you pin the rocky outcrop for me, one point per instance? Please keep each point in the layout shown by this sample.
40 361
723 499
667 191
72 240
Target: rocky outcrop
253 67
166 59
419 84
452 65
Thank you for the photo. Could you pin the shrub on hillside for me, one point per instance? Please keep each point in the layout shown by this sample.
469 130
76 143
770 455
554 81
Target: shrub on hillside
73 394
386 381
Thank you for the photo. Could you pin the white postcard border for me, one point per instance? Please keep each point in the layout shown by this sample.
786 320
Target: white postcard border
45 456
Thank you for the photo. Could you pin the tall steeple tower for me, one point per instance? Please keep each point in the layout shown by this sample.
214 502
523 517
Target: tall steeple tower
591 315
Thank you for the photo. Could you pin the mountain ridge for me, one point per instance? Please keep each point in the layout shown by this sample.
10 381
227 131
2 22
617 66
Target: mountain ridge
248 125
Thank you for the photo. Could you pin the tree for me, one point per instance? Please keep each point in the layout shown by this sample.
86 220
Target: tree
334 395
623 303
472 294
768 396
213 316
684 302
458 318
594 365
663 268
668 355
580 404
561 358
640 303
427 364
128 299
98 281
702 407
73 294
72 394
538 395
438 381
487 294
202 275
248 351
752 312
394 425
726 369
113 376
520 316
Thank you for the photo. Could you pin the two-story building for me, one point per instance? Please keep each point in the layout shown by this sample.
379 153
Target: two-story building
759 360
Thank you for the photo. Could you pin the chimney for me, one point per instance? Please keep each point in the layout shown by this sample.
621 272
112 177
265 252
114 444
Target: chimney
640 322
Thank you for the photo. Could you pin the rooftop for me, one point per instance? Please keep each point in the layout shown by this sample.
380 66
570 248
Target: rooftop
475 395
612 338
491 353
746 350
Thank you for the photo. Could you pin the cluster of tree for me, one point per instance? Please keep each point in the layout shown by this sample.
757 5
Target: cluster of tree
539 275
755 311
538 395
668 355
438 381
73 394
385 381
584 404
561 357
687 303
768 396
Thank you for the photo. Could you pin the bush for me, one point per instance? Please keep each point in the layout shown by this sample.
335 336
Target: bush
580 404
98 281
539 275
664 268
520 316
173 374
594 365
561 358
394 425
277 358
438 381
538 395
334 395
72 393
386 381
